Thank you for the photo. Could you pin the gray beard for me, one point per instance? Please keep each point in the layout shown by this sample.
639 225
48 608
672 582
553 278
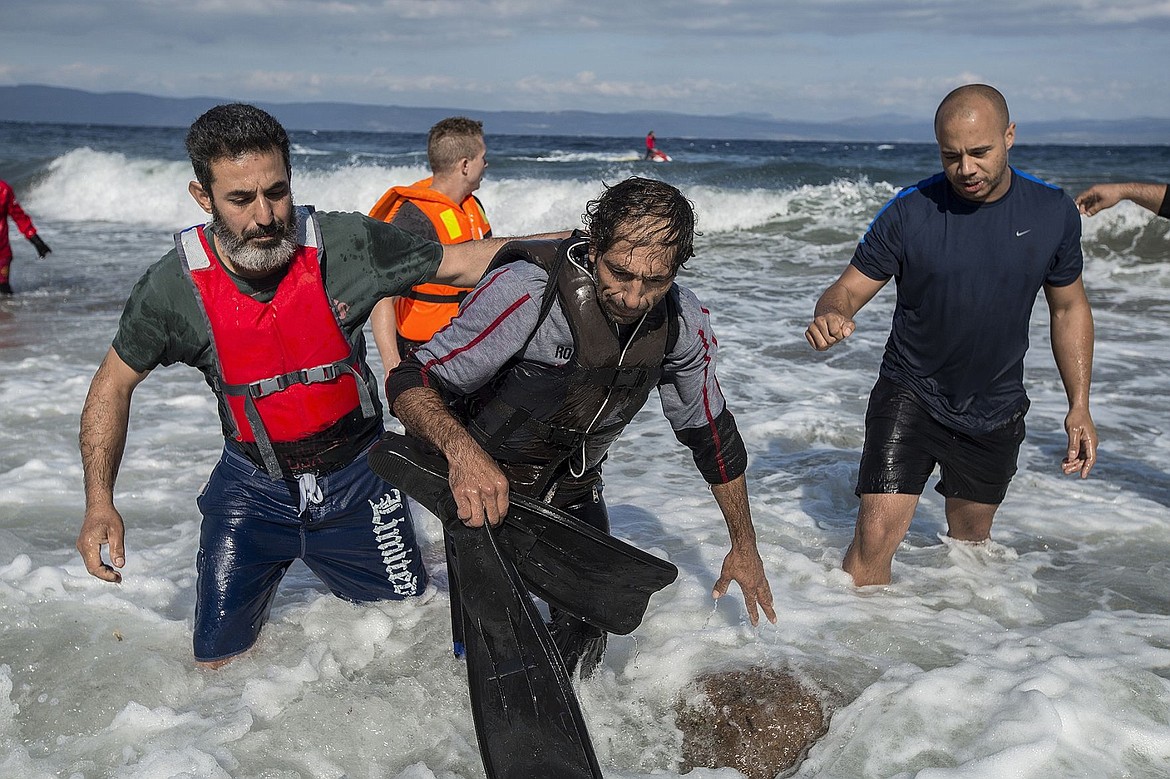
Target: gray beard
256 259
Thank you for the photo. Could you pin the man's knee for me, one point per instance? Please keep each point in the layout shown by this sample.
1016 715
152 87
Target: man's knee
968 520
882 522
885 517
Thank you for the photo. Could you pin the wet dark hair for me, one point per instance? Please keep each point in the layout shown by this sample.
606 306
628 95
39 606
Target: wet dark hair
644 212
230 130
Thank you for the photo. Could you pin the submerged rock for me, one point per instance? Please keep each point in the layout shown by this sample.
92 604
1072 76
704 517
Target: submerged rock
759 721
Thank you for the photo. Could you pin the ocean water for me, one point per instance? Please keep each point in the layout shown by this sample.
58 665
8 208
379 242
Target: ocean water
1045 653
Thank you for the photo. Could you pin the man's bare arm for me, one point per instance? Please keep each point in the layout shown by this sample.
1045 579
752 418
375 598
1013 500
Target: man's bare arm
102 439
742 564
835 309
464 264
1072 347
1101 196
384 324
478 485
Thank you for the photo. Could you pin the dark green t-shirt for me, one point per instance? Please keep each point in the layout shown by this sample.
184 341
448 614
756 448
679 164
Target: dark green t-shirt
363 260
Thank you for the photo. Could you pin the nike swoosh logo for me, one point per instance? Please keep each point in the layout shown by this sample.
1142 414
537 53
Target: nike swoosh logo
1022 232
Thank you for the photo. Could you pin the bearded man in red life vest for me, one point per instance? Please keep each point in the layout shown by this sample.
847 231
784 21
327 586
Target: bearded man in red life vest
268 300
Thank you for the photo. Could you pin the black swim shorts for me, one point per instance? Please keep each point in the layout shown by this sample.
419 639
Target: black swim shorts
903 443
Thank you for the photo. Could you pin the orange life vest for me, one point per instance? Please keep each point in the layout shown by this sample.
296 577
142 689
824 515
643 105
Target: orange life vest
285 368
424 310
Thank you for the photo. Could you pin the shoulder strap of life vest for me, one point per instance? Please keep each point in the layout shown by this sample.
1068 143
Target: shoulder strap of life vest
547 253
194 255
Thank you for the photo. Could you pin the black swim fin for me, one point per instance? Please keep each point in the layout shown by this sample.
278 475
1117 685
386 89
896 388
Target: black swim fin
527 719
567 563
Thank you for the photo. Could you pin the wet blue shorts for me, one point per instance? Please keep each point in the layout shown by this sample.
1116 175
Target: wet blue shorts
903 443
357 538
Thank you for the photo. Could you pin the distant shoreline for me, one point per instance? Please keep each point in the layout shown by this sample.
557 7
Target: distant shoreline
56 105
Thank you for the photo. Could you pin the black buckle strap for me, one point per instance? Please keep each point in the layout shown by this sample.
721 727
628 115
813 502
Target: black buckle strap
561 437
315 375
430 297
320 373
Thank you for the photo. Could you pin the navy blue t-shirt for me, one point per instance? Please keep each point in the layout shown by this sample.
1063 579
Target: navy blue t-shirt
967 276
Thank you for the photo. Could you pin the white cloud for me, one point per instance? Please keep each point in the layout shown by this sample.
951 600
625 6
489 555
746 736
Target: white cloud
810 59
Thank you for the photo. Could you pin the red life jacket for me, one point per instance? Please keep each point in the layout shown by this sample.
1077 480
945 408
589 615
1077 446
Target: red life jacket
285 369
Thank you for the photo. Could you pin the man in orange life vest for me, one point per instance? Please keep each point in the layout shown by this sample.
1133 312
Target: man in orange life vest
268 301
441 208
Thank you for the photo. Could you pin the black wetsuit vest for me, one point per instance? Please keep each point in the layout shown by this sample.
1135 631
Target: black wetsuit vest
550 427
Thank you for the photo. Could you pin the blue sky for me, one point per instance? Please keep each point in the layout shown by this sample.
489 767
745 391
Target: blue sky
819 60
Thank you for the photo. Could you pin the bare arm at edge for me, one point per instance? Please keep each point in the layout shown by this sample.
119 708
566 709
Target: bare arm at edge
464 263
834 312
478 485
102 439
742 563
1101 196
1071 320
384 324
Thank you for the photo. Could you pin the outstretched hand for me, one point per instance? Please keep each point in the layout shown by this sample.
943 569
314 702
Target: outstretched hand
1099 197
745 567
101 528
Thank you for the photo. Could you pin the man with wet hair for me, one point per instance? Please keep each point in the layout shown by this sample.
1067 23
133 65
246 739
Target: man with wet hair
969 248
268 300
549 359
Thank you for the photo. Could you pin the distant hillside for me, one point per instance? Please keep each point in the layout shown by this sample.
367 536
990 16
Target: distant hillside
29 103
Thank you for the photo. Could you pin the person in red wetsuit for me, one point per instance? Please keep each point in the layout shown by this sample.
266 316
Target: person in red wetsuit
10 208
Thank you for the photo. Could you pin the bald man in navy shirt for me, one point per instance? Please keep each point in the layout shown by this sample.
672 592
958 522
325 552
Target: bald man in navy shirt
969 249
